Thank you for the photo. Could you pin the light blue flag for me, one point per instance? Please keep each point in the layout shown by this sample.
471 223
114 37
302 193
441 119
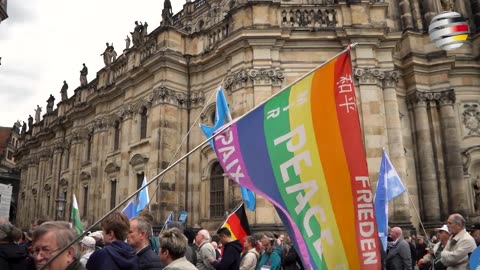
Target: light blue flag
142 198
389 186
222 115
129 210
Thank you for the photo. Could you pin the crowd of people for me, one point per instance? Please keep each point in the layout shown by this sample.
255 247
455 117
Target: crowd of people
130 244
448 249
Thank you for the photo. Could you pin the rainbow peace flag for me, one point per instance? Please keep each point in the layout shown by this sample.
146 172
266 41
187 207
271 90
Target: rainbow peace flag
302 150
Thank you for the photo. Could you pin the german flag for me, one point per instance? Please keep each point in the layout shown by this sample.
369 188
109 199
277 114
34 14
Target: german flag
237 223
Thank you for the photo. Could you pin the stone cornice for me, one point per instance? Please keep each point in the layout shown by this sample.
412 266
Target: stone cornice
418 98
369 75
253 76
377 76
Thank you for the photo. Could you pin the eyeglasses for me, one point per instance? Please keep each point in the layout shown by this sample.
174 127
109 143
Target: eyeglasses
45 252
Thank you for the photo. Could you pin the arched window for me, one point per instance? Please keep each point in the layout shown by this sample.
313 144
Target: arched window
143 123
116 136
217 191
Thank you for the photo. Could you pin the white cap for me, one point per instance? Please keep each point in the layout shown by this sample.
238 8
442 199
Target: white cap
88 242
443 228
97 234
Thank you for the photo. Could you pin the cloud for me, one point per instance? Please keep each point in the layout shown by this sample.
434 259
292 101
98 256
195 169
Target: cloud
45 42
20 12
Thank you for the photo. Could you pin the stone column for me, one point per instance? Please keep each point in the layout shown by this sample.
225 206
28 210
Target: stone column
400 213
453 160
425 156
428 10
417 16
406 14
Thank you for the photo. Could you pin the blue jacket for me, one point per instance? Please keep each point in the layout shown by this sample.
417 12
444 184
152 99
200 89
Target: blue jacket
116 256
273 259
148 260
231 256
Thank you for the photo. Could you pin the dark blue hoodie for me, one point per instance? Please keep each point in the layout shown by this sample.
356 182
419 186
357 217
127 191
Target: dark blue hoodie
116 256
231 256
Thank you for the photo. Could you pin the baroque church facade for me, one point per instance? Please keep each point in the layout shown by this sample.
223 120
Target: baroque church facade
418 102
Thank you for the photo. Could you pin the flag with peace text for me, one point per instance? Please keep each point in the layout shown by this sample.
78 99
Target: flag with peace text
302 150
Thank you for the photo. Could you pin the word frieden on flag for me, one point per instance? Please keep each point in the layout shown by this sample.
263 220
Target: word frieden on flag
237 224
302 150
77 223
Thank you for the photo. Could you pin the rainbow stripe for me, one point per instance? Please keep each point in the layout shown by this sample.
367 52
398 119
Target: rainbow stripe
302 150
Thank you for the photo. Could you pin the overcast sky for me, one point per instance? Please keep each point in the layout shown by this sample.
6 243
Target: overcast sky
45 42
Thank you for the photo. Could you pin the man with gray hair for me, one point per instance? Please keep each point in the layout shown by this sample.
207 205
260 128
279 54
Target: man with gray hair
172 250
398 257
138 237
205 250
48 240
459 246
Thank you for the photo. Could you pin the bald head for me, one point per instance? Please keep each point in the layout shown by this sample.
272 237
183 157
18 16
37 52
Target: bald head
396 233
455 223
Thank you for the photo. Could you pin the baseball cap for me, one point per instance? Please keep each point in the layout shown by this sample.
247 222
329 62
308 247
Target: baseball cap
443 228
97 234
88 242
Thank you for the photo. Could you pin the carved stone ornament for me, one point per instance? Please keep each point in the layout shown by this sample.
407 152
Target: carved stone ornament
63 182
138 160
254 76
100 125
419 98
34 191
391 78
47 187
471 119
84 176
162 94
112 168
369 75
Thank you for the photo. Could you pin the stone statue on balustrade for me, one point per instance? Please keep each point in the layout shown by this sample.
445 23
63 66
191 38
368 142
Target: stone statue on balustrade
109 55
24 128
63 91
137 34
83 75
38 111
30 122
50 102
127 43
167 14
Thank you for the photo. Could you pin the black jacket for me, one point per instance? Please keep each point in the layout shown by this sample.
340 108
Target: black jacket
116 256
290 260
148 259
12 257
231 256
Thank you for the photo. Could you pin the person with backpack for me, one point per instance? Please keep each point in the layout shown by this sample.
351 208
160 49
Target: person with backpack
249 258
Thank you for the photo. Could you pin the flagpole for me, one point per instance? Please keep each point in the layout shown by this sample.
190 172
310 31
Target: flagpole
171 165
418 215
181 143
